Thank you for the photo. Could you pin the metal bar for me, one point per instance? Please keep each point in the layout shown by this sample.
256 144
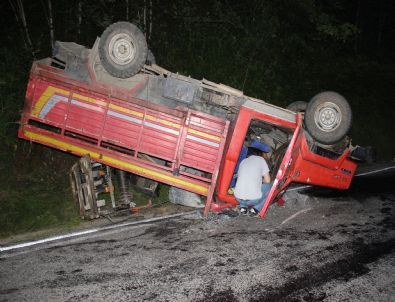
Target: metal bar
175 156
103 125
63 126
137 150
183 136
110 184
214 177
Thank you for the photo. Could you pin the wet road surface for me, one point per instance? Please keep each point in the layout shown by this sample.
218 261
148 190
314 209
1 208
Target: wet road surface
325 246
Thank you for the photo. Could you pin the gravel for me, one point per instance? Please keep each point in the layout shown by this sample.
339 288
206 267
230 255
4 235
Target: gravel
324 246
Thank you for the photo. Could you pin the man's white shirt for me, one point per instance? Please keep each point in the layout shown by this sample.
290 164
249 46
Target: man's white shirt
249 178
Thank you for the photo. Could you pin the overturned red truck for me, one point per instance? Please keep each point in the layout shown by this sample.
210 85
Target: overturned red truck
115 104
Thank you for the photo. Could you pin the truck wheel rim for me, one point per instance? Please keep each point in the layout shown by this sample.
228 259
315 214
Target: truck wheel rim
121 49
327 117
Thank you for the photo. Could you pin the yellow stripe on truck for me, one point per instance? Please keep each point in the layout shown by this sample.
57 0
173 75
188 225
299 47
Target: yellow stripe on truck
147 117
126 110
89 99
116 162
162 121
203 134
45 97
49 92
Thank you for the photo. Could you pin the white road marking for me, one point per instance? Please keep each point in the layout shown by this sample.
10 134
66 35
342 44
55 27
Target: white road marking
375 171
90 231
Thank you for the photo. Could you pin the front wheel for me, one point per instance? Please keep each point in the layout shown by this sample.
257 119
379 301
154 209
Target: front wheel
328 117
123 49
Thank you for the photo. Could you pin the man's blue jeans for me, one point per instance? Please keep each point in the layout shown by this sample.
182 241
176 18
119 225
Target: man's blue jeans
256 203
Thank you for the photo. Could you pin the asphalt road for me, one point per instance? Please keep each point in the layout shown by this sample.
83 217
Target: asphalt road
324 246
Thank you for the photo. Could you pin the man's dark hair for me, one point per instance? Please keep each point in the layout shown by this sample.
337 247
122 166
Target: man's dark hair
254 151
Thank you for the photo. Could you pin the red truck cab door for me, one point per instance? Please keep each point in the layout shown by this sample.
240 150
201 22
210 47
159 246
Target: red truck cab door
270 115
283 177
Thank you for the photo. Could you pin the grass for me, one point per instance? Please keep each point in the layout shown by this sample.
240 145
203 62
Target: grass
35 193
33 206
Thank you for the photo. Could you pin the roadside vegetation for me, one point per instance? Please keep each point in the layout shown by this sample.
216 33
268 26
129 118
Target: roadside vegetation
281 51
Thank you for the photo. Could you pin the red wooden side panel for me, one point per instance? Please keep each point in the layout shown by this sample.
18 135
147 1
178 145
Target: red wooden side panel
49 103
160 135
123 124
121 132
85 120
85 114
202 142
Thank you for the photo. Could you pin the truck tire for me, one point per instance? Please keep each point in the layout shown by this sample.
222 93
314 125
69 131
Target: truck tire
328 117
122 49
298 106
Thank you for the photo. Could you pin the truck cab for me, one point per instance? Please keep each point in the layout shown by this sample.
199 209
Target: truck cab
294 157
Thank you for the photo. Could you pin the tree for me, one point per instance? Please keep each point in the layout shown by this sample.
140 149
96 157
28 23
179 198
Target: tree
19 13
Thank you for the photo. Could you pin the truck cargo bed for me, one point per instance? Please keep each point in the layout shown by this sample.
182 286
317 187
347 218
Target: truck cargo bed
184 146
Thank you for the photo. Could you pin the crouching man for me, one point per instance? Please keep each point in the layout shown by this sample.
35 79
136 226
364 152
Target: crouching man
253 183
